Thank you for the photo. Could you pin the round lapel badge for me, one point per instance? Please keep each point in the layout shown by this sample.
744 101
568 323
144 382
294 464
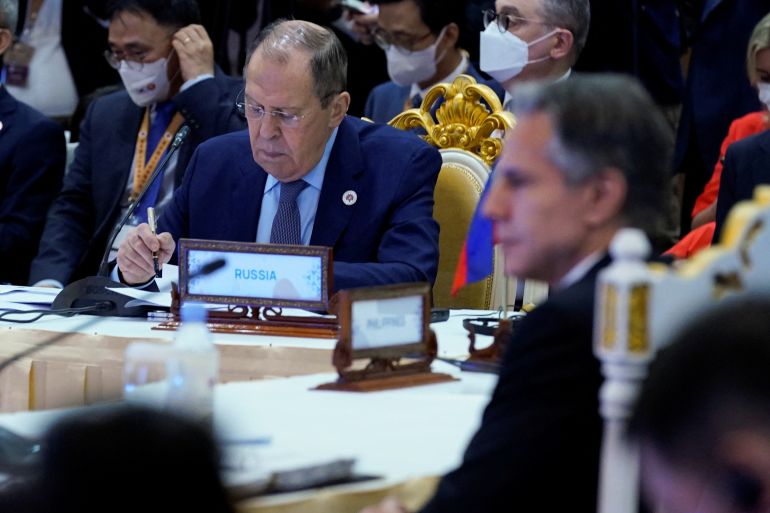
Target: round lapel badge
349 197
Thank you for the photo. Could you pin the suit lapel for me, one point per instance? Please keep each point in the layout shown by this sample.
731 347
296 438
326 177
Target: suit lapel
247 201
122 151
345 162
7 108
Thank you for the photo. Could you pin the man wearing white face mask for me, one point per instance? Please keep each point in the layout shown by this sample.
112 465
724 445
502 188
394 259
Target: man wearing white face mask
532 40
165 60
420 38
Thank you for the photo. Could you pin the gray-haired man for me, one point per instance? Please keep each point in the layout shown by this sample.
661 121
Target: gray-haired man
365 190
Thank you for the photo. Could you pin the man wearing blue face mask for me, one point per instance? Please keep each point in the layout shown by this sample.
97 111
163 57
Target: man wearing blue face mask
420 39
532 40
165 60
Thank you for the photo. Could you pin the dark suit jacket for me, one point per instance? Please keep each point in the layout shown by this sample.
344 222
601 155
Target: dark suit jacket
538 445
88 206
386 101
747 164
32 157
387 236
718 90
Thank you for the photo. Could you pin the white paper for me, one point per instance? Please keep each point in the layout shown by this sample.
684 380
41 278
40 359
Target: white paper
143 297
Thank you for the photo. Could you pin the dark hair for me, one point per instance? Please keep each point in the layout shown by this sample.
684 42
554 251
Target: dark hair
328 60
606 121
170 13
131 459
436 14
713 378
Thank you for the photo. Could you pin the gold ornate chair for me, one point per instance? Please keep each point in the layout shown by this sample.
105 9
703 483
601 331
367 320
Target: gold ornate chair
467 127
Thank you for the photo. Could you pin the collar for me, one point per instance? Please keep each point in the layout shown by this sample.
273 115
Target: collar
461 68
315 178
580 269
507 102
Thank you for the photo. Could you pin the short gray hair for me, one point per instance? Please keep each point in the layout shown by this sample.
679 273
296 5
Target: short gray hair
9 14
328 60
603 121
574 15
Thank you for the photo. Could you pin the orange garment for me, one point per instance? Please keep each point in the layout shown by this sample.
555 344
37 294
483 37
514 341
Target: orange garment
698 239
750 124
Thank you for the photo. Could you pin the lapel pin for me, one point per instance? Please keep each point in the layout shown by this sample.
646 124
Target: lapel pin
349 197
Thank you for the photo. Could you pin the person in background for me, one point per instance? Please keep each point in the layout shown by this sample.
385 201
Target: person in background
32 156
704 211
165 59
420 39
56 59
586 158
702 419
716 90
123 459
532 40
305 173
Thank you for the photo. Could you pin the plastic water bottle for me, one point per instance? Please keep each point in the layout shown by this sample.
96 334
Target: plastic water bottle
193 369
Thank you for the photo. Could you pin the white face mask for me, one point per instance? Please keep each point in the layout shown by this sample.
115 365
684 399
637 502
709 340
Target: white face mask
148 85
764 93
415 67
504 55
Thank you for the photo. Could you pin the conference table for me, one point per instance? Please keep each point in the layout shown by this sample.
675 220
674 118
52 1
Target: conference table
267 414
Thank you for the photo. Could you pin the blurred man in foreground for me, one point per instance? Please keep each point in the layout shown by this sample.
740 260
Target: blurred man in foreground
703 416
584 160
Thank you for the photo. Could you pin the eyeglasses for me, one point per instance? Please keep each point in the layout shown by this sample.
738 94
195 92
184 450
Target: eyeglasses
507 22
257 112
134 60
405 43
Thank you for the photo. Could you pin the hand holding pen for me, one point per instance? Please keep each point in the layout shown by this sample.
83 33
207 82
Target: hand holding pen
154 229
138 251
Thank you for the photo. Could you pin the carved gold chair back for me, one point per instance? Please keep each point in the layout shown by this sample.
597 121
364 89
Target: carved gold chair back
465 120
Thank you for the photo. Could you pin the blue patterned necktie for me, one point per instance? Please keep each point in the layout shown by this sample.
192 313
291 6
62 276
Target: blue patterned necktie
286 223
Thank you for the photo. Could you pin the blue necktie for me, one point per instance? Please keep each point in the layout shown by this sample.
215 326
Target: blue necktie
286 223
163 114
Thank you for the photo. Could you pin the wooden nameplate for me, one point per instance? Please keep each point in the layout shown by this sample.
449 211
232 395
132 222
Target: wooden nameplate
385 324
256 321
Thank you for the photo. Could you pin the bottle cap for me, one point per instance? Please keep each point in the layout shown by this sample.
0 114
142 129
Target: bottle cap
193 312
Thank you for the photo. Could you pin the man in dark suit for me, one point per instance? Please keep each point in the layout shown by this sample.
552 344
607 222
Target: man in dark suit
746 165
32 158
365 190
583 161
420 39
166 62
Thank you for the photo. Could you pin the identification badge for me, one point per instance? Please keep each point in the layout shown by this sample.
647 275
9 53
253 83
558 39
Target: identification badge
17 60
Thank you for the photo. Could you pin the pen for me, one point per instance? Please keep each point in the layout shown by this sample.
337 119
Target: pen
153 228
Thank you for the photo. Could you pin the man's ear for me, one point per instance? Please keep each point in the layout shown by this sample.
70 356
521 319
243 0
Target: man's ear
6 38
564 43
451 35
339 107
607 194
